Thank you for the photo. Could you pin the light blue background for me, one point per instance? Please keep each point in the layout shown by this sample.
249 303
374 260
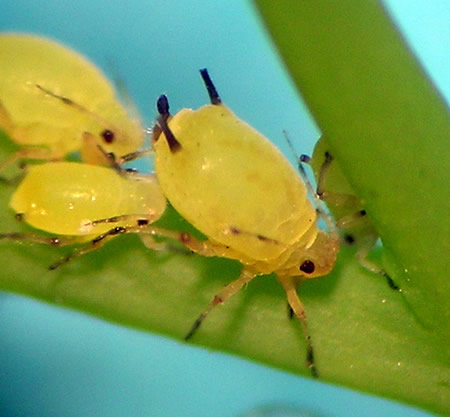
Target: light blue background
55 362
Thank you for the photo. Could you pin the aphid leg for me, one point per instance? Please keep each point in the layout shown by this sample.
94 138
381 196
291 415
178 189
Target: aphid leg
336 199
16 179
142 227
227 292
150 243
315 193
361 255
349 221
290 312
5 120
323 173
59 241
235 231
98 242
95 244
93 153
46 240
35 152
352 220
138 219
298 309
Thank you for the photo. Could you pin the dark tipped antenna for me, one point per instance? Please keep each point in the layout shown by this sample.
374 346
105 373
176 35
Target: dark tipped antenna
163 109
210 87
107 134
163 106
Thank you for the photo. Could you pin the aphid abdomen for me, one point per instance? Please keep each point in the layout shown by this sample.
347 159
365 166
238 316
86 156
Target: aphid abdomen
229 177
63 197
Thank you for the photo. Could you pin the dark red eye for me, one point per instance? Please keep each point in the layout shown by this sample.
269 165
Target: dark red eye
307 267
108 136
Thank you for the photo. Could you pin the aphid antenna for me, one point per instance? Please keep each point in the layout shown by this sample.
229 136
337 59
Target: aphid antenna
319 203
69 102
135 155
122 88
210 87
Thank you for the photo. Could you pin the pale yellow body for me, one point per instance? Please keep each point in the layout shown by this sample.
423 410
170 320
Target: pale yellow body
63 198
237 188
227 176
37 74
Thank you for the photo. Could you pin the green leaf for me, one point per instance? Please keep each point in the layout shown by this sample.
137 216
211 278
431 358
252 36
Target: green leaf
390 131
365 335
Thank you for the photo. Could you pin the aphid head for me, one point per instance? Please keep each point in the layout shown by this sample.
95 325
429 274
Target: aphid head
117 132
319 259
103 137
110 126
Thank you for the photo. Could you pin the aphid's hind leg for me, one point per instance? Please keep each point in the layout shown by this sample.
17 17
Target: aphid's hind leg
15 179
365 243
227 292
95 244
323 170
5 120
321 192
298 309
142 227
100 240
35 153
290 312
45 240
56 241
60 241
361 255
141 223
138 219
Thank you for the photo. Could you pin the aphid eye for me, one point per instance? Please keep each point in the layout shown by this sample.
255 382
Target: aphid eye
307 267
349 239
108 136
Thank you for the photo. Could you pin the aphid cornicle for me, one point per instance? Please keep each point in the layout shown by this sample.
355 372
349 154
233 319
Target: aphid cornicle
53 101
237 188
69 199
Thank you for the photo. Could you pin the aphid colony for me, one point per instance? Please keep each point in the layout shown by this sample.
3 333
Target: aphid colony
264 220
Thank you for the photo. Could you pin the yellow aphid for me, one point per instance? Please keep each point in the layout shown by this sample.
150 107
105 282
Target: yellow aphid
80 202
53 101
237 188
346 207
